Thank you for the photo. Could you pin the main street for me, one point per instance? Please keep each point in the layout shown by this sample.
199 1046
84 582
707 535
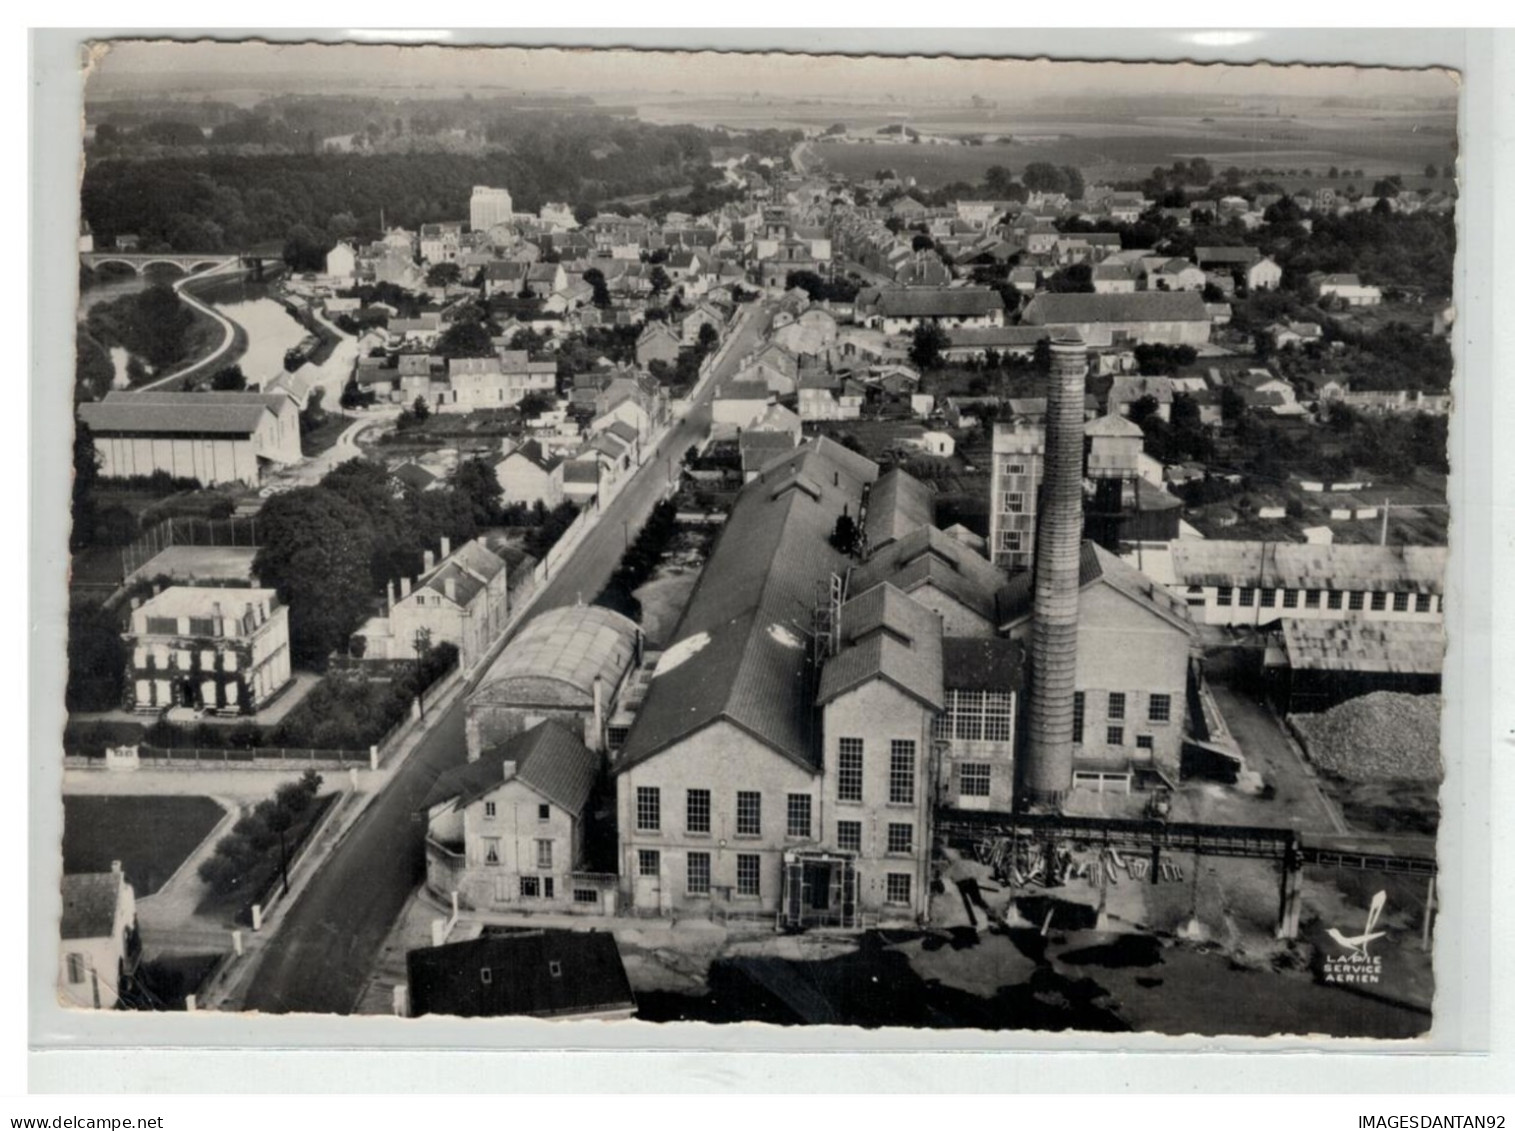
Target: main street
329 939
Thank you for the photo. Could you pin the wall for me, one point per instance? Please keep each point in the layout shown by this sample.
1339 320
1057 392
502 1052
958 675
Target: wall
723 759
878 713
211 461
1205 607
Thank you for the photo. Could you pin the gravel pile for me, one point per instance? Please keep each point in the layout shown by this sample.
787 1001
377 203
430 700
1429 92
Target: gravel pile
1385 736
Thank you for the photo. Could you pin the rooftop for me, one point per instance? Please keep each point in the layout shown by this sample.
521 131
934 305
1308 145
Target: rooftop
885 635
1291 565
931 302
571 645
550 760
1097 565
1143 306
89 904
898 504
231 414
548 973
1399 647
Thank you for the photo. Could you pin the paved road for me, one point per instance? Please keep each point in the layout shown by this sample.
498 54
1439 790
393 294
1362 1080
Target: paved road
321 957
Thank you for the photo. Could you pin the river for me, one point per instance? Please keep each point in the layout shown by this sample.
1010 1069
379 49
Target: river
269 328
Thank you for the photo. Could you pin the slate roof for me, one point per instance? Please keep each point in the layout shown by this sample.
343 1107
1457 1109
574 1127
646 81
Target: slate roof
886 635
996 337
1245 256
1400 647
230 414
549 759
1289 565
899 504
590 977
1143 306
1115 426
983 663
470 568
1096 565
760 446
738 653
89 904
928 556
933 302
571 645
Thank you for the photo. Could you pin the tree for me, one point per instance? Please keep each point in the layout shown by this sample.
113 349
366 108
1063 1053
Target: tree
709 338
844 535
317 552
420 408
229 380
533 405
596 280
920 242
1143 408
305 248
998 180
658 279
443 275
1430 170
1233 406
465 339
1041 176
583 212
927 344
476 481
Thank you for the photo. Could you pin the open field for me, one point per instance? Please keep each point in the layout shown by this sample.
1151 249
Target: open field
151 836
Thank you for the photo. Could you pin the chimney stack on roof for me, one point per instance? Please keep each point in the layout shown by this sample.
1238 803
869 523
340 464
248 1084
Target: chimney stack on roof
1047 770
446 547
404 587
508 771
428 561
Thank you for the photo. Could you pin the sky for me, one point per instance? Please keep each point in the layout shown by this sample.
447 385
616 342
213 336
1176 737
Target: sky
296 66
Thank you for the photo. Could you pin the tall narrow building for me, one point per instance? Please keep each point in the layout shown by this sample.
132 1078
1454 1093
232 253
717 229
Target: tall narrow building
1047 770
488 207
1017 477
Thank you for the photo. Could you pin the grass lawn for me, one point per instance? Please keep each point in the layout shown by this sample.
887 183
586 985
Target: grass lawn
151 836
317 440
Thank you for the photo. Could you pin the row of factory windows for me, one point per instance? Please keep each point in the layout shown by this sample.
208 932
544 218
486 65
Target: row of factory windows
749 873
1159 712
1355 599
749 812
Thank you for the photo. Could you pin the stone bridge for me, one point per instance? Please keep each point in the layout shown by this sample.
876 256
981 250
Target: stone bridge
186 263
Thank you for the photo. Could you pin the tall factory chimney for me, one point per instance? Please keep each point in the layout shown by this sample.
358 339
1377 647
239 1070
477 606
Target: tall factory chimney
1047 769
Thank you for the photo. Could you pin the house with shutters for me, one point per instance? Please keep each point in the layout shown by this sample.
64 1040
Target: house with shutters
222 650
527 474
99 944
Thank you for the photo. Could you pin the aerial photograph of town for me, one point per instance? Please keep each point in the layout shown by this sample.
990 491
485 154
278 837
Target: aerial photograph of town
867 541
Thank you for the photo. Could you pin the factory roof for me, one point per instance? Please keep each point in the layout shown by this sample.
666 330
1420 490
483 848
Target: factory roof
739 653
898 504
571 645
935 302
1290 565
1399 647
1142 306
1097 565
1114 426
548 759
927 556
89 904
995 337
885 635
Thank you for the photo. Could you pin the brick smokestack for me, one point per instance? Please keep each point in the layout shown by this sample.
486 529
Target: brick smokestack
1047 769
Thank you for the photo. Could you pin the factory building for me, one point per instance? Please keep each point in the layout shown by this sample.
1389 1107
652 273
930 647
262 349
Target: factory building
1258 583
488 207
1015 482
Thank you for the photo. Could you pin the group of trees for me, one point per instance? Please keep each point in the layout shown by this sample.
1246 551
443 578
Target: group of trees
331 548
822 289
217 201
154 325
639 560
1180 438
258 842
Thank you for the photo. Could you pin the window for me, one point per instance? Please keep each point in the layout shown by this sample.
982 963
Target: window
1267 597
547 888
1160 708
1117 705
1401 602
544 855
799 815
489 809
1312 598
1333 599
697 811
1015 469
1015 502
649 809
1115 736
1422 602
544 811
1223 596
1144 742
901 838
1354 601
849 836
492 851
531 887
749 813
1380 602
897 887
486 975
615 737
1078 716
586 897
648 862
973 779
1246 597
748 874
901 772
75 969
1291 598
554 969
998 713
849 769
1010 540
698 880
